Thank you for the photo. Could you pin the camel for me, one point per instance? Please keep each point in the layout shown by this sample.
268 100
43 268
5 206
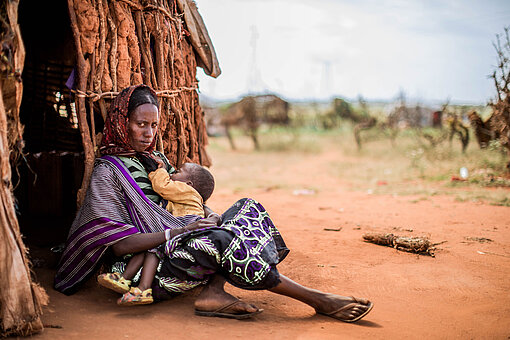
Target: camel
253 111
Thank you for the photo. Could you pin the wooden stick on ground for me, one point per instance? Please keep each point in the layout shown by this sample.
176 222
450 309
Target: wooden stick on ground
418 245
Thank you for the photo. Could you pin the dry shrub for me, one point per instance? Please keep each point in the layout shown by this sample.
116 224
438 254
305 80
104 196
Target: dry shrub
501 77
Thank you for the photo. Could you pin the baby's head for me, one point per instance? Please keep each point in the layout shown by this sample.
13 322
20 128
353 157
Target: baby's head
196 176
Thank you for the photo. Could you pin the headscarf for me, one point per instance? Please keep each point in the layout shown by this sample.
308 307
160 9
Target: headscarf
115 133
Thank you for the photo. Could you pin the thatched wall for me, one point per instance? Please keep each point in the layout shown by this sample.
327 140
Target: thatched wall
21 300
121 43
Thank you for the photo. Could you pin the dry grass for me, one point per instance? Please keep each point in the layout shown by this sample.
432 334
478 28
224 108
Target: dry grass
408 168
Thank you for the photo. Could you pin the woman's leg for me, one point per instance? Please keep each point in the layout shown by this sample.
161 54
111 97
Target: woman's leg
213 296
323 303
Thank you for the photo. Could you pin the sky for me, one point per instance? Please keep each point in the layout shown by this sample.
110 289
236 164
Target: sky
431 50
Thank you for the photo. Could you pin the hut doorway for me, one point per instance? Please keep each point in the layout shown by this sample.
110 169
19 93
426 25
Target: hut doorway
50 172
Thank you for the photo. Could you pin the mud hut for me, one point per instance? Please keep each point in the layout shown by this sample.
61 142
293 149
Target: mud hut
61 67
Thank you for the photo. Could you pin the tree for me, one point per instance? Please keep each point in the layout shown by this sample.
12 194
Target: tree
501 77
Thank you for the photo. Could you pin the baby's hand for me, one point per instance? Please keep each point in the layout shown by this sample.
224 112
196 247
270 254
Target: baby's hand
148 163
160 162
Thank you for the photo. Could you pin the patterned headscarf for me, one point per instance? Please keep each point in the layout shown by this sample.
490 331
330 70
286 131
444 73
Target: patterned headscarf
115 133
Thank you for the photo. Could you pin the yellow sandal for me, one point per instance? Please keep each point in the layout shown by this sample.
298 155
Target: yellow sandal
115 282
135 296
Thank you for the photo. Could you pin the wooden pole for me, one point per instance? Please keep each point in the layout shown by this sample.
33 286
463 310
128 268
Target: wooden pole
83 71
113 49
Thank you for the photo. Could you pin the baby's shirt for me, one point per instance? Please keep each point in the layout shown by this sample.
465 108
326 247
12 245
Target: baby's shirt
182 198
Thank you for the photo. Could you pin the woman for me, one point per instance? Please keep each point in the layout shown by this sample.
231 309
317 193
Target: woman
122 213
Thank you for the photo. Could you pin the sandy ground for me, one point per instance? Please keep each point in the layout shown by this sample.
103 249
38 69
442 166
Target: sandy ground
462 293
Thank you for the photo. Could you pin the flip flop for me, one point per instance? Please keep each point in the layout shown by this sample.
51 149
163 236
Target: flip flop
222 312
347 307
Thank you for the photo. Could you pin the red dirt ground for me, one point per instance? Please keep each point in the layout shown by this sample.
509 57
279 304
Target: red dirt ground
462 293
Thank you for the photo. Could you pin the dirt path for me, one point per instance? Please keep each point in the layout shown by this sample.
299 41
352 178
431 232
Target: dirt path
460 294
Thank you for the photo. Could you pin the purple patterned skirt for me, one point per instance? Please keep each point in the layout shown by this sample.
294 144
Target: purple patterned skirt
245 250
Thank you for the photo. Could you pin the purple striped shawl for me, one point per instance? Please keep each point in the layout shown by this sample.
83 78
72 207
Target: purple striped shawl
114 208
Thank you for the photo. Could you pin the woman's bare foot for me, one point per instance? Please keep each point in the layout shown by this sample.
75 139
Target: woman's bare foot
214 301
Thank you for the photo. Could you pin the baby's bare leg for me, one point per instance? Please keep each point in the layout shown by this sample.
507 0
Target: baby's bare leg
150 265
133 266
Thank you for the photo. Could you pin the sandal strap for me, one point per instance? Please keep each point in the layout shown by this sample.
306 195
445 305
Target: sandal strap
114 276
138 291
124 281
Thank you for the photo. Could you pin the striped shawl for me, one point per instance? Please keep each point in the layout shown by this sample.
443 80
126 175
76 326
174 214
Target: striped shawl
114 208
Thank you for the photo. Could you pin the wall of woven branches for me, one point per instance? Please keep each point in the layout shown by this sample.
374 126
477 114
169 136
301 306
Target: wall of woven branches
21 299
126 42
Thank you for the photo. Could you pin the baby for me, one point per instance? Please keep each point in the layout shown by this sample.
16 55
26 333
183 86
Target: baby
186 190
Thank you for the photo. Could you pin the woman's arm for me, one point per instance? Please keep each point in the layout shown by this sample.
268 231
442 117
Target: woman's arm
142 242
138 242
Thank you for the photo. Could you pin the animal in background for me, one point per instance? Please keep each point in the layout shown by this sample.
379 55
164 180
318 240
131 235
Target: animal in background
253 111
484 131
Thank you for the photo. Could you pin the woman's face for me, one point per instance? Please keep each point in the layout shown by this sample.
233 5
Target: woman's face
142 126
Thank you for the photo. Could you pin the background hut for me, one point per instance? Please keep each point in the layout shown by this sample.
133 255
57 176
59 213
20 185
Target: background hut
53 98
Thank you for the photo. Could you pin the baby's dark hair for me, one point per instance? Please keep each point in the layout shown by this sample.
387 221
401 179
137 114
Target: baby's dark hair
142 95
203 180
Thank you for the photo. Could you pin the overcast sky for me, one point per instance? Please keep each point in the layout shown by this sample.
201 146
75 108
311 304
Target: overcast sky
316 49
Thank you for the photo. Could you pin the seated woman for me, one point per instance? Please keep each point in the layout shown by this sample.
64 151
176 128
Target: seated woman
121 214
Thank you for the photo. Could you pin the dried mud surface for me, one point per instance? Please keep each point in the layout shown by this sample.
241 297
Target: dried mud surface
462 293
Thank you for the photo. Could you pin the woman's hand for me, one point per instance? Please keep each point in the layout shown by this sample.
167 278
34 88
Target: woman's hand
207 222
203 223
214 216
211 214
